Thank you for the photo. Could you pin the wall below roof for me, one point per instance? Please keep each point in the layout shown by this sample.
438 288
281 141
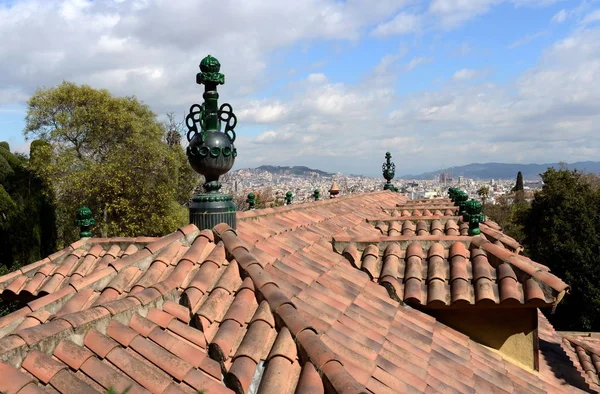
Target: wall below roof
513 332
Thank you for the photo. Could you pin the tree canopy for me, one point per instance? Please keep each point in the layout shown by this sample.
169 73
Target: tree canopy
110 154
519 183
561 231
27 218
484 193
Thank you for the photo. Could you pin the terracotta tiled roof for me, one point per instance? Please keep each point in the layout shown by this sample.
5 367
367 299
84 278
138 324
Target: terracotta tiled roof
585 350
271 308
183 317
440 271
430 260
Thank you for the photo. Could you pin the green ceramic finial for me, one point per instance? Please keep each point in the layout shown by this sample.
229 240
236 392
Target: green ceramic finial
473 215
460 201
316 194
452 192
251 200
389 171
211 150
289 196
209 72
85 221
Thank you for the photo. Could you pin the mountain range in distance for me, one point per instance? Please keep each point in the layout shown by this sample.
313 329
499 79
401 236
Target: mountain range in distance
505 170
472 171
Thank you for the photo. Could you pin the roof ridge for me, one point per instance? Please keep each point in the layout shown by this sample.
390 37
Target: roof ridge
255 213
500 236
582 344
286 314
523 265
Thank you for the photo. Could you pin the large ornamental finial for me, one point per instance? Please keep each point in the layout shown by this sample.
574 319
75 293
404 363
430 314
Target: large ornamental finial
85 221
389 170
211 152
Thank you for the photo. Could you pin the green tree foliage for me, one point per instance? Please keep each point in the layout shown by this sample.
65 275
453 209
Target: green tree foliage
508 214
561 231
108 153
484 193
519 184
27 221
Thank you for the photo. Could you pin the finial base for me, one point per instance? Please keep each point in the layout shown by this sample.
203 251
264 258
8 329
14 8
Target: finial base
208 210
388 186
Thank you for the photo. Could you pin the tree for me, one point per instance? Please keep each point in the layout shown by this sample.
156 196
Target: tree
561 231
27 214
484 194
508 215
519 184
110 154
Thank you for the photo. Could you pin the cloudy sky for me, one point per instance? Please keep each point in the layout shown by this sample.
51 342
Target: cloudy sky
332 84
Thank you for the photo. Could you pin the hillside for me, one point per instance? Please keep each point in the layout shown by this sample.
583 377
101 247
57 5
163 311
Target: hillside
504 170
292 171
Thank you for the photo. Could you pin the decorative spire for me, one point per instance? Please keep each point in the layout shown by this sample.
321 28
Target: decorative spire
211 152
316 194
389 170
289 196
85 221
473 215
452 192
251 200
460 201
334 190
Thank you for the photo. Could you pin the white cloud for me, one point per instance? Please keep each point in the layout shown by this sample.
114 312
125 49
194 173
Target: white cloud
526 39
592 17
560 16
461 50
317 78
467 74
107 43
414 62
455 12
262 112
403 23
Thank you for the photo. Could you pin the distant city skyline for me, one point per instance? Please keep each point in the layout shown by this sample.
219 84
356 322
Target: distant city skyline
332 84
494 170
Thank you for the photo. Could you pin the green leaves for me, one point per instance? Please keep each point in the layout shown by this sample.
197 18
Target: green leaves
27 226
561 231
110 154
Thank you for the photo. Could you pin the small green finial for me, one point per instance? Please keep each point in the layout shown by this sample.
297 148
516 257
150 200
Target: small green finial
473 215
251 200
389 171
289 196
460 200
452 193
209 72
85 221
316 194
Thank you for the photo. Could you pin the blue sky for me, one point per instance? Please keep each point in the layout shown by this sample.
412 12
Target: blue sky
333 84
